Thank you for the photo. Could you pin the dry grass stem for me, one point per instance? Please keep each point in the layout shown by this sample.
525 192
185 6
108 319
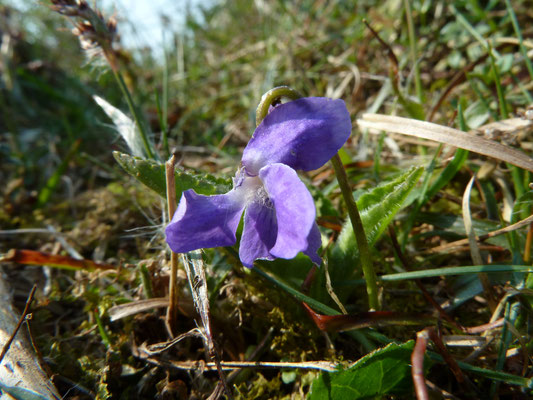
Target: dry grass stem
474 248
450 136
172 311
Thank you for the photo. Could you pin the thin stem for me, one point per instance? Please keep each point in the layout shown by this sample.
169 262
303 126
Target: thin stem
417 362
29 300
172 311
410 107
359 231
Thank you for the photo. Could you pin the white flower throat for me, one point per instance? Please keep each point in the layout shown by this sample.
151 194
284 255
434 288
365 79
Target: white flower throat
250 189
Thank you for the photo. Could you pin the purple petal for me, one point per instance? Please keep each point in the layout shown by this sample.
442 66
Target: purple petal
295 209
204 221
314 241
259 233
303 134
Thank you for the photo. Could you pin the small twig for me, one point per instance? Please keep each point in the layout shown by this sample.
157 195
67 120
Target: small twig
172 311
38 352
394 74
435 337
390 53
158 348
19 323
417 362
229 365
484 327
330 290
346 322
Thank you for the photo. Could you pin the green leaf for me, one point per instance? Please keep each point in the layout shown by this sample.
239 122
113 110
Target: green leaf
152 174
377 208
386 371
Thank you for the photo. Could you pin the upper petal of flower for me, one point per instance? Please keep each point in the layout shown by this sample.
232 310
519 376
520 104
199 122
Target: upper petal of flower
295 209
303 134
259 233
205 221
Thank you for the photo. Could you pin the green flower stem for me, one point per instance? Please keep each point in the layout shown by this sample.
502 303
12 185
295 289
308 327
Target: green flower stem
370 276
270 97
136 116
359 231
101 329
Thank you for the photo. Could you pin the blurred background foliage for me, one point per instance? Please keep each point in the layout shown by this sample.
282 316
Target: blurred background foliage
216 67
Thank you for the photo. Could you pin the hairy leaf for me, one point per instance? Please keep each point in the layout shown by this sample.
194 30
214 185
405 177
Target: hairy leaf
124 125
377 207
152 174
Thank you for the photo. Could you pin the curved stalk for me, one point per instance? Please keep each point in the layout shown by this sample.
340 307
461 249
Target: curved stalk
270 97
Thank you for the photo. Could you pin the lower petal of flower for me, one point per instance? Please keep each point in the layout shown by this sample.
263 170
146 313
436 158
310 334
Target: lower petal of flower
259 233
204 221
295 209
314 241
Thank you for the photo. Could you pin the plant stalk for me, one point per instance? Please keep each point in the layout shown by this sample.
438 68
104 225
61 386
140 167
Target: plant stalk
172 311
270 97
359 231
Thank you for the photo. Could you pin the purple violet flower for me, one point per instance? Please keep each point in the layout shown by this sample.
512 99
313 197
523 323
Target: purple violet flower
279 212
